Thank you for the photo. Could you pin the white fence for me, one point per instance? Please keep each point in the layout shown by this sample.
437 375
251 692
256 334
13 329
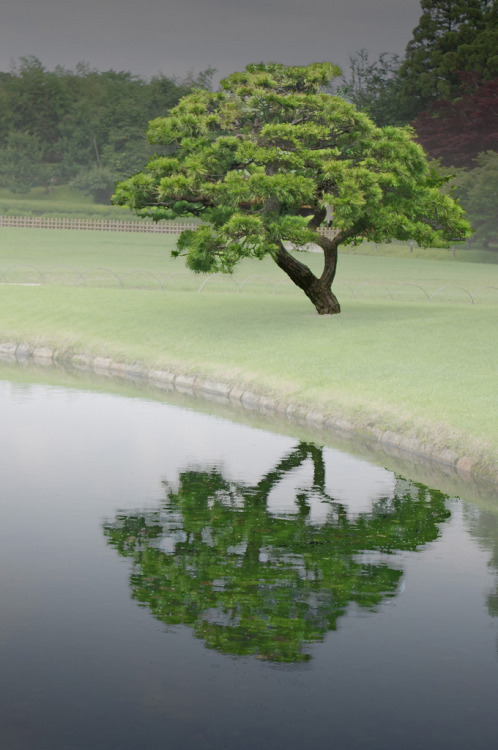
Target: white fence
107 225
99 225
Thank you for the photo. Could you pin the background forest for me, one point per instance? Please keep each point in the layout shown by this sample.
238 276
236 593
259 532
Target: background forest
82 128
86 129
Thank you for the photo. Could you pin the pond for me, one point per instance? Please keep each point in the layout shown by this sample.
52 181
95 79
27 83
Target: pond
170 578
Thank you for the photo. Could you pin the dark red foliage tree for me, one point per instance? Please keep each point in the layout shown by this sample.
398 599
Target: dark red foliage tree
457 131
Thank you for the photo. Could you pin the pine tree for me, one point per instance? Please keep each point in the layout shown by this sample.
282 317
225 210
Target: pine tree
260 161
452 37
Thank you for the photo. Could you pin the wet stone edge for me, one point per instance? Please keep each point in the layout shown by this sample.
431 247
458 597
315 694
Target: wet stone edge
238 396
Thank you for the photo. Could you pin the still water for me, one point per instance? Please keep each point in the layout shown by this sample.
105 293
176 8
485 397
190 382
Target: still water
172 579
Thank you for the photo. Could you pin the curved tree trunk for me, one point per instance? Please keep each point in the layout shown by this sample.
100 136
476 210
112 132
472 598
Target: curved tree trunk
323 298
318 290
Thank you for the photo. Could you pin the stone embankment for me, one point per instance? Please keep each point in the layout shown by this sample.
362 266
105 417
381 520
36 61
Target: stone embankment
238 396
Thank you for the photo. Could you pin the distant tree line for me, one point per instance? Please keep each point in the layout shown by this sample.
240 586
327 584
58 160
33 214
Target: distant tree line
81 127
446 88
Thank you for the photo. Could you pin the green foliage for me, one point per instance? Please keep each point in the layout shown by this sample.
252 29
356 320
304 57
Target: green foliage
97 182
84 119
454 46
374 87
247 160
452 37
252 583
21 163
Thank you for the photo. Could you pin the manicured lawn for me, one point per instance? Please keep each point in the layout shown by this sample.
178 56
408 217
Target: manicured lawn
59 201
145 260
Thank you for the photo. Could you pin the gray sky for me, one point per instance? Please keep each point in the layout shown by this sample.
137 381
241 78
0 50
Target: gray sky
176 36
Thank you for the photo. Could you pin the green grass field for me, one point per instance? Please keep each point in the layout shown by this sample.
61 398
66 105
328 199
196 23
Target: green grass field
59 254
425 369
59 201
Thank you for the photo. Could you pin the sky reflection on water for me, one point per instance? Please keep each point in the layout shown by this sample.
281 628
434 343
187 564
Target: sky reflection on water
258 544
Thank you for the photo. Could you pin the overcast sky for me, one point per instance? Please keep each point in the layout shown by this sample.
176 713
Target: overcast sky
178 36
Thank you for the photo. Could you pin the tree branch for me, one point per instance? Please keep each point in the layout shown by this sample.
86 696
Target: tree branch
318 218
330 248
298 272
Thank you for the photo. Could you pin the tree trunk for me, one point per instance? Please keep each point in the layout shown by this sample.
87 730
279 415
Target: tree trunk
318 290
322 296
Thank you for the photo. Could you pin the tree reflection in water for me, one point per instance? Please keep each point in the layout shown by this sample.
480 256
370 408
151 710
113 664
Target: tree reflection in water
249 582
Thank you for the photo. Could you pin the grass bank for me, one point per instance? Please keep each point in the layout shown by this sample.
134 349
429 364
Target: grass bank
426 370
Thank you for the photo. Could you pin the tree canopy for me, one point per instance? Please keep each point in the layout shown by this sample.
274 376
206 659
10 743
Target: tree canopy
452 37
259 162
